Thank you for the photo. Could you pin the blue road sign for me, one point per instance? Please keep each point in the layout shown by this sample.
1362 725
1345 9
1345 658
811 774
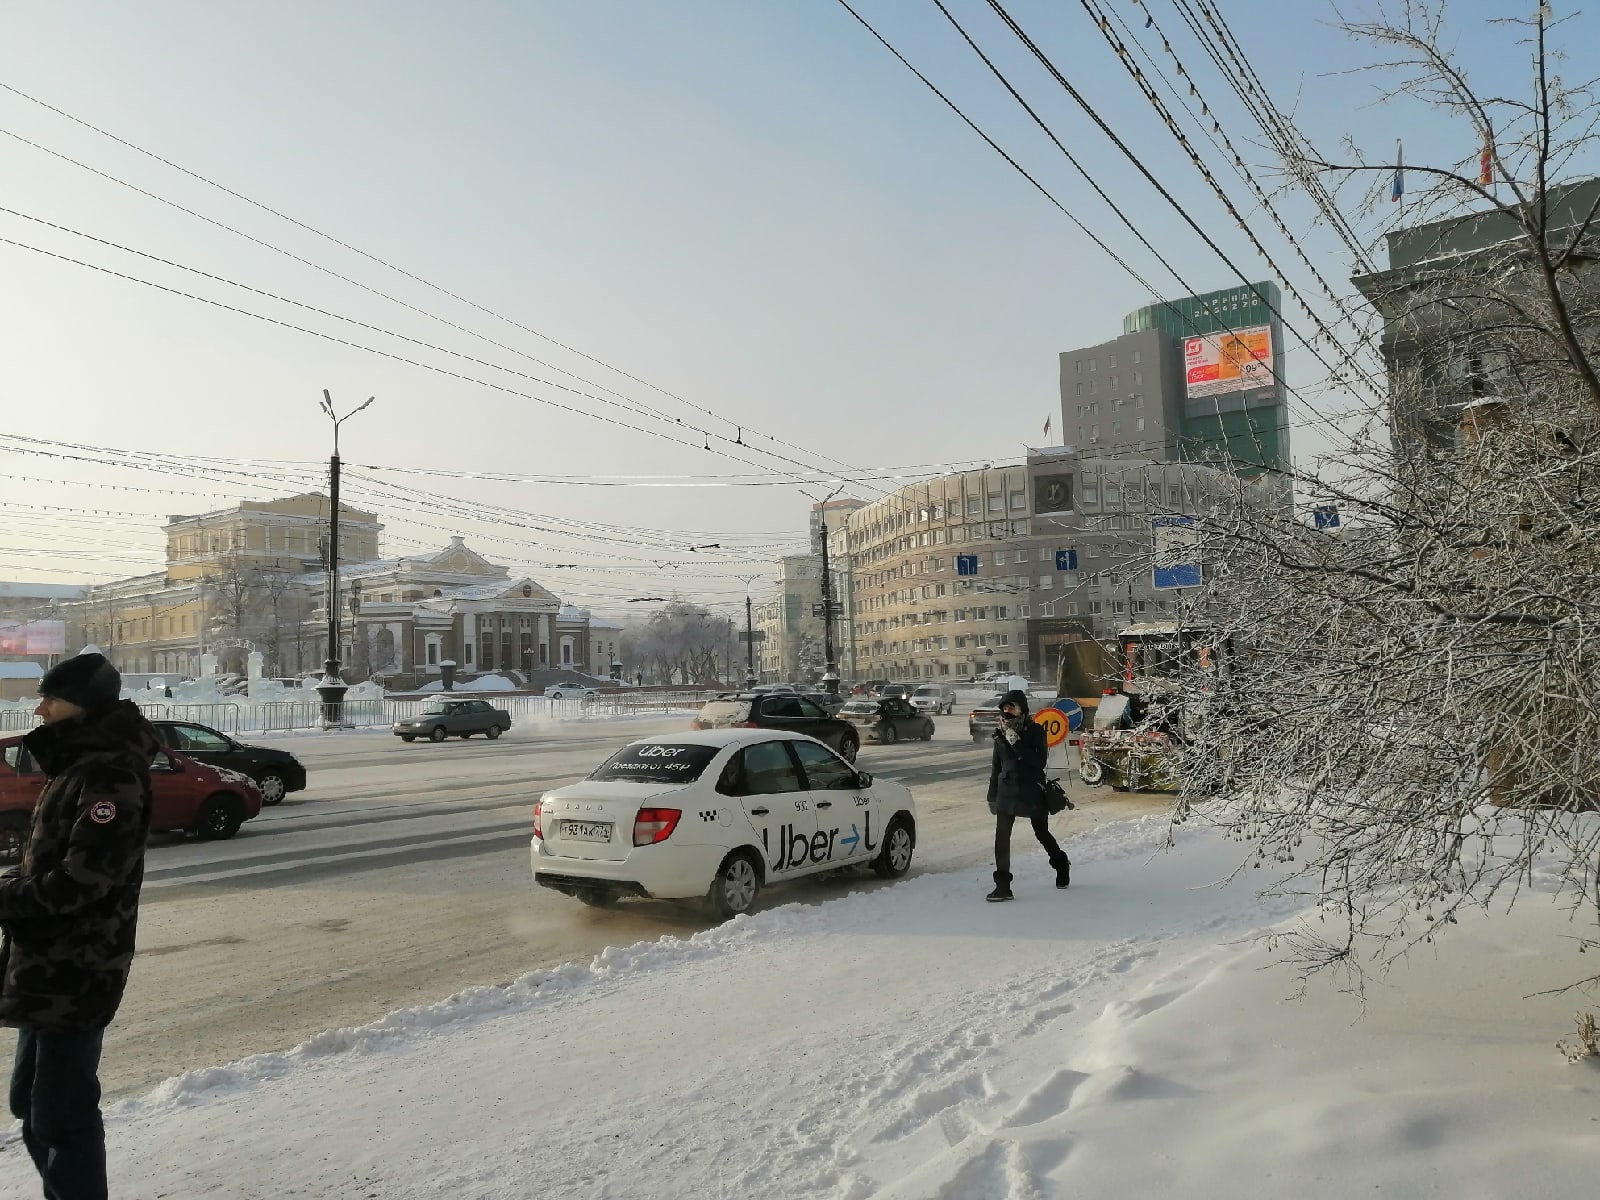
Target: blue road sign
1326 516
1066 560
966 564
1177 553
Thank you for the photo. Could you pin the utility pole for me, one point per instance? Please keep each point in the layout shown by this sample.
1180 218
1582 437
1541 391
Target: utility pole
749 632
332 688
830 670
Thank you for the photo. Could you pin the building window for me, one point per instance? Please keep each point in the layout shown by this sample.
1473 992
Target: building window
973 506
1019 501
1091 493
1138 424
1047 583
1000 613
466 653
1113 494
1136 356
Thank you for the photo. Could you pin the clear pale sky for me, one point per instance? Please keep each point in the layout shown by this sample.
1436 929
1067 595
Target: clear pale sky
747 203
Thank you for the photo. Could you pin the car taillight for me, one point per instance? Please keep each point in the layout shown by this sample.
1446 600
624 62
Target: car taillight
745 725
654 825
538 828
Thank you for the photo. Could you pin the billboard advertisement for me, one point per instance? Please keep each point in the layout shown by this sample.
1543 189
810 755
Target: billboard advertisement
1228 370
33 637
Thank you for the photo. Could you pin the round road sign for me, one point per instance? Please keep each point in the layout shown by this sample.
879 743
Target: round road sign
1055 725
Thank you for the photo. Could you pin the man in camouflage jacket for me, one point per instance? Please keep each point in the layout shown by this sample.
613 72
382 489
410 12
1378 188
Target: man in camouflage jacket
69 913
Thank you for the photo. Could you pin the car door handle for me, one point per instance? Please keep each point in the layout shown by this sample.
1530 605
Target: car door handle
824 803
759 812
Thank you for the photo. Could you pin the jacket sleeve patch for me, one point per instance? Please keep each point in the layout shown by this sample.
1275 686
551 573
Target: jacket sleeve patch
102 812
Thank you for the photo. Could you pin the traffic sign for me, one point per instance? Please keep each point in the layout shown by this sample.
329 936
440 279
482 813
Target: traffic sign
754 635
1055 725
1177 543
820 609
1066 560
1326 516
966 564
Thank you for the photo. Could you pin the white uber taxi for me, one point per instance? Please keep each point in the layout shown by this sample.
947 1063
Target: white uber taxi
718 814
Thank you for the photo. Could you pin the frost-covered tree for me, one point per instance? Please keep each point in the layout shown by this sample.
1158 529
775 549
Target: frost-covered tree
1410 711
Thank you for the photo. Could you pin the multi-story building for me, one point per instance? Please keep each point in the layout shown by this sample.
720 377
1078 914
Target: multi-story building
996 569
1197 379
792 648
252 579
1444 297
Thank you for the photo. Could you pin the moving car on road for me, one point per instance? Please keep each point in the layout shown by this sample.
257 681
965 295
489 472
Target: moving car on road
276 772
570 691
888 720
935 698
779 710
440 719
189 795
981 720
717 814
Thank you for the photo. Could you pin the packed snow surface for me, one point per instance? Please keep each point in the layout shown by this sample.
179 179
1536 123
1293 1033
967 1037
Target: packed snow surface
1119 1039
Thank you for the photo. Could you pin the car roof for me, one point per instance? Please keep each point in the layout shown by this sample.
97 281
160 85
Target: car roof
720 737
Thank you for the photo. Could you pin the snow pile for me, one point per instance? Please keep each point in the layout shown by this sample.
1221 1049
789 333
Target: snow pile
912 1042
483 683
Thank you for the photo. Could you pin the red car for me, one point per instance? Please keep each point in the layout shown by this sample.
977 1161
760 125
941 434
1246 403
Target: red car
192 796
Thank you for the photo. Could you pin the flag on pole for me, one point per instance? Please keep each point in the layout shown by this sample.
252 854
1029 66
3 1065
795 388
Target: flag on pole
1397 186
1486 160
1047 427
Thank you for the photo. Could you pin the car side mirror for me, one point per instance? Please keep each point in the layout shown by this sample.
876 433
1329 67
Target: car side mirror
863 779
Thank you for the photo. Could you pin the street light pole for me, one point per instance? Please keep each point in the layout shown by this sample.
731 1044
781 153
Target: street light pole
830 670
332 688
749 632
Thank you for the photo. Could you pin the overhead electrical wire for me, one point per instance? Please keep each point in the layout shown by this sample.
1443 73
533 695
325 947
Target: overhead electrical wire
1314 417
387 265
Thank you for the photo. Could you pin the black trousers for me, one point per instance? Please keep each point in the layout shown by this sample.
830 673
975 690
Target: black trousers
1002 844
55 1093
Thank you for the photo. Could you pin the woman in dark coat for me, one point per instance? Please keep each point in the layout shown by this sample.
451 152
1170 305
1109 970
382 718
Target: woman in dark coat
1016 789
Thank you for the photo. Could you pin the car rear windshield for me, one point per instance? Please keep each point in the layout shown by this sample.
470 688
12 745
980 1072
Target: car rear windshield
655 762
860 706
724 714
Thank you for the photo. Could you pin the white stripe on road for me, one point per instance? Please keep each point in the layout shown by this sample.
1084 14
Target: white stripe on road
324 859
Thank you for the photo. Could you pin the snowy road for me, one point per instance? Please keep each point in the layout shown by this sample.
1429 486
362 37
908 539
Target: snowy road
401 875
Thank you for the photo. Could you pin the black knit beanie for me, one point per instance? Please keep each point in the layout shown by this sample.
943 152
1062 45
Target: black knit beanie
88 680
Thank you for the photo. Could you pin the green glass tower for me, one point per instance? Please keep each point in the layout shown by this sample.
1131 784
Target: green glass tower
1230 348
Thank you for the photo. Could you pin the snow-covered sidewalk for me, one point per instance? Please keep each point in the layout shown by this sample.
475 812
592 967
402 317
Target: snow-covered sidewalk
1117 1039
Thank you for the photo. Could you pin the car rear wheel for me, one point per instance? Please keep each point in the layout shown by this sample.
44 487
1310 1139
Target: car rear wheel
736 886
1092 772
219 819
273 788
849 746
888 735
492 732
14 828
927 732
894 860
438 734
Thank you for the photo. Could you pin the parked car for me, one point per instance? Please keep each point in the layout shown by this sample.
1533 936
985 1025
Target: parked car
779 710
276 772
440 719
935 698
717 814
888 720
570 691
210 802
982 719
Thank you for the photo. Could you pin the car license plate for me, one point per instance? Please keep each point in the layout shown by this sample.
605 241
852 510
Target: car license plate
586 831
